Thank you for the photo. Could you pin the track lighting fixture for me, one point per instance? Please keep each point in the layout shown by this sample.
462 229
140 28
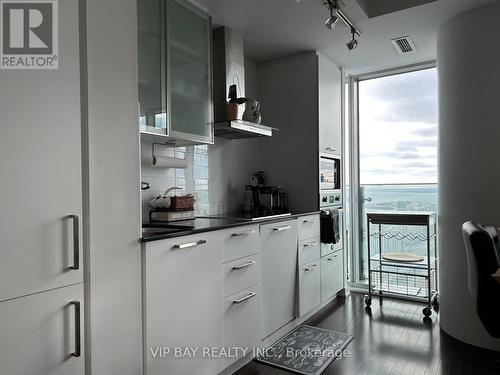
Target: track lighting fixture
333 19
353 43
335 14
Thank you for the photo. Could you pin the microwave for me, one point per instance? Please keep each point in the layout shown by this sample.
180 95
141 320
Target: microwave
329 172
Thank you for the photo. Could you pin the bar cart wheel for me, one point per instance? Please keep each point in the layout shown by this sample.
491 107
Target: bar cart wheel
427 311
368 300
435 300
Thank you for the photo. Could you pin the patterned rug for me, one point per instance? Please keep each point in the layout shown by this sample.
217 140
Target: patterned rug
306 350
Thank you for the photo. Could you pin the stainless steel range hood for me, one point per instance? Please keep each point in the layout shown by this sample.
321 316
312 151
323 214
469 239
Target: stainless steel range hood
237 129
229 69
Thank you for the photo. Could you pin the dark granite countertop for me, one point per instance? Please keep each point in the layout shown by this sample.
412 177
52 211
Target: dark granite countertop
207 224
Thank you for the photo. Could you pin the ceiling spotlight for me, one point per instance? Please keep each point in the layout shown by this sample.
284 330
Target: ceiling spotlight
336 14
332 20
353 43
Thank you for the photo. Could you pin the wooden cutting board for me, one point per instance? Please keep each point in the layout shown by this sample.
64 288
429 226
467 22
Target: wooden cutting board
403 257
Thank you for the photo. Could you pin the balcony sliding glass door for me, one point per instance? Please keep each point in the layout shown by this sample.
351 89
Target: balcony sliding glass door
391 140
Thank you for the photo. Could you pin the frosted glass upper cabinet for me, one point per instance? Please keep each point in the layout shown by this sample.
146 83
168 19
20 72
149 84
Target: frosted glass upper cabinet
151 67
189 80
175 71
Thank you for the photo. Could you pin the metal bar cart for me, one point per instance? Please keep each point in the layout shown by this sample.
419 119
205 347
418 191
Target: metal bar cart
410 234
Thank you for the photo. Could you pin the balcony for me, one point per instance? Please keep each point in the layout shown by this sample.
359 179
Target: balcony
399 198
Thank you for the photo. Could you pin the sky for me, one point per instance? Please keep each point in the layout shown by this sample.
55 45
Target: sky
398 128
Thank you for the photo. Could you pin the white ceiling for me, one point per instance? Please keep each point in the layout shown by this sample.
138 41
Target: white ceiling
279 28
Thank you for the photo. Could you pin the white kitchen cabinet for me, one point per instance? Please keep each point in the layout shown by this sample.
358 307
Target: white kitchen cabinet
240 242
43 333
242 323
279 268
309 263
332 275
330 99
182 292
175 71
308 227
40 165
309 250
189 67
241 273
242 291
309 287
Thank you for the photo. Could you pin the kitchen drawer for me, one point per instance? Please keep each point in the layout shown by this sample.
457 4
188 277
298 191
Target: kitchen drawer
241 274
240 242
309 287
309 250
242 321
308 227
332 275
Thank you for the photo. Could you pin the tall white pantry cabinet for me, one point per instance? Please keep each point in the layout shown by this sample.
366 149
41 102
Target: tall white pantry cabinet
41 279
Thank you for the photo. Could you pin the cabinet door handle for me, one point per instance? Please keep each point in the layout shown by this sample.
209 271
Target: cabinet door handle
76 242
250 295
189 244
309 221
244 265
245 232
331 259
311 244
331 149
281 229
312 268
78 333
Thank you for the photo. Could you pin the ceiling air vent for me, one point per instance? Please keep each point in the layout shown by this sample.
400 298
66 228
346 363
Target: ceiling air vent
404 45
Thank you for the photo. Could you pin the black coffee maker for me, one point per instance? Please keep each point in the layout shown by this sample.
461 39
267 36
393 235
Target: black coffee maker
265 201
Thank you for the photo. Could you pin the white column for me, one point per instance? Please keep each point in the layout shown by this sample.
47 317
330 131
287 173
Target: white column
469 156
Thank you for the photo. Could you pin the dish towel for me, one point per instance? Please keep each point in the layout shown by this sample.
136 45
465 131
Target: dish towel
329 226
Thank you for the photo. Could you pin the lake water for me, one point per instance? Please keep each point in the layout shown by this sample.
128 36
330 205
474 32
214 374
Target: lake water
400 197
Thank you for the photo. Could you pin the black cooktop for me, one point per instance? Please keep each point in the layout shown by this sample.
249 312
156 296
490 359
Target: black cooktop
205 224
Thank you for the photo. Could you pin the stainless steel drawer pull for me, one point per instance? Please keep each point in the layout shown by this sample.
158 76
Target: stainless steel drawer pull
78 331
331 259
244 265
309 221
312 268
76 242
189 244
310 244
250 295
281 229
246 232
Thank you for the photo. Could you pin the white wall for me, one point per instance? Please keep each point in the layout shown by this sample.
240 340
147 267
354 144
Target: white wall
216 174
469 156
113 206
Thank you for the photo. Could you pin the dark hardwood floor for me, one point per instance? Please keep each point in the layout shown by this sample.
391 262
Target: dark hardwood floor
393 339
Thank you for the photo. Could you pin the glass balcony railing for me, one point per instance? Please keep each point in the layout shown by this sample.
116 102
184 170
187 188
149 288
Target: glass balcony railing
399 198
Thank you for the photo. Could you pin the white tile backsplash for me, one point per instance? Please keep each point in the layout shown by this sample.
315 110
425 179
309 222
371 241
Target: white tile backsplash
216 174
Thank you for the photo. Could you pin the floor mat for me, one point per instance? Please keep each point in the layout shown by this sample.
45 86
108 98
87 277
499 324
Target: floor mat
306 350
